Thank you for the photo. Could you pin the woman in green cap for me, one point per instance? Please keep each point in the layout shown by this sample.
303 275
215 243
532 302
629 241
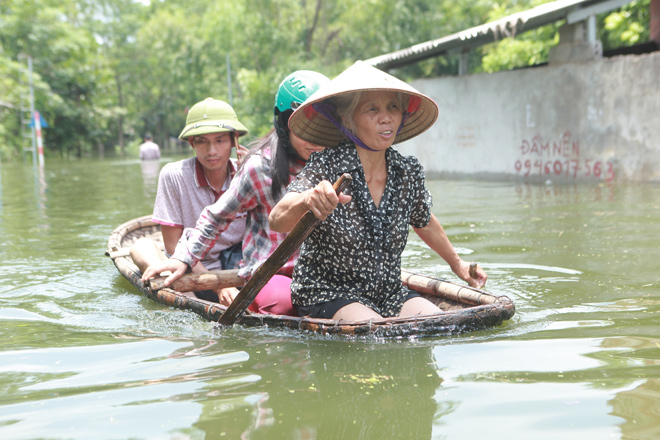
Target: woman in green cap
271 164
350 266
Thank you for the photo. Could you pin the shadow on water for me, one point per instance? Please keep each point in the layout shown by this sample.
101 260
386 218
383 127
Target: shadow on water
83 355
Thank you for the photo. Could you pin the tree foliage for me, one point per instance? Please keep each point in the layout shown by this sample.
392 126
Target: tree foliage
626 27
108 71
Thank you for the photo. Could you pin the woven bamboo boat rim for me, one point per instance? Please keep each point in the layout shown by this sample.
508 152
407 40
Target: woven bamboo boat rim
469 308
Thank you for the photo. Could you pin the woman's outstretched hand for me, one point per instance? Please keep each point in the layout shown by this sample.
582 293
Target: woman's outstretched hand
176 267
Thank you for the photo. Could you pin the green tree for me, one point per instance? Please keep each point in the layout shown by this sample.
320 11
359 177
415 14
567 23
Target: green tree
627 26
114 24
64 57
10 90
108 71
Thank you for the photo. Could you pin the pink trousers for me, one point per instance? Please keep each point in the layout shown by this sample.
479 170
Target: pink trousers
275 297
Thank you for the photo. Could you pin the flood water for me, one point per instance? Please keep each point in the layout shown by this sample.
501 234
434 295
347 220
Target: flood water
83 355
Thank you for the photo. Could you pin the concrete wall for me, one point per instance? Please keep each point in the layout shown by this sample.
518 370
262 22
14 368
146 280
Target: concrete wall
597 120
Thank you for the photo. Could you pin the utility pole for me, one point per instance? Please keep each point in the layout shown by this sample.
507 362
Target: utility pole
40 145
33 114
27 111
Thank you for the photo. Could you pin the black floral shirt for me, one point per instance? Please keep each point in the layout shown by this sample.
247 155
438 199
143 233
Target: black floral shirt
356 252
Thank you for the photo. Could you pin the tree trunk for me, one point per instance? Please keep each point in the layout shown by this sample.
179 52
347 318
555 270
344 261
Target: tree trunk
120 123
312 28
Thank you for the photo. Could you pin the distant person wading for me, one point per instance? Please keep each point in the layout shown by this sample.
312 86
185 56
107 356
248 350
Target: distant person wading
149 150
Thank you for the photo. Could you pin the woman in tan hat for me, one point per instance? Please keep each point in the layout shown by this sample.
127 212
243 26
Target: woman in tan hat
350 266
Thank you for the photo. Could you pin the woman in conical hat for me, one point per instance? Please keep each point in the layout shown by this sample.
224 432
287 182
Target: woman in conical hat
350 266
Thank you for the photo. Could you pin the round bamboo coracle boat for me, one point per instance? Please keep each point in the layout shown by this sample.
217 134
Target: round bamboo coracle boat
465 308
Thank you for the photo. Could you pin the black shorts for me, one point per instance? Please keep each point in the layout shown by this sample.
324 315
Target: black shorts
208 295
328 309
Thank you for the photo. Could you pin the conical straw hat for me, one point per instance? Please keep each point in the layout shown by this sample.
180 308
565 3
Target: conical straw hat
309 124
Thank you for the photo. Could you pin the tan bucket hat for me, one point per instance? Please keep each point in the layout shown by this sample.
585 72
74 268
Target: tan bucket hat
310 121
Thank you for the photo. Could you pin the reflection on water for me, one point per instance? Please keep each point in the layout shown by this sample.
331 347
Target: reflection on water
83 355
150 170
371 376
105 384
639 407
42 188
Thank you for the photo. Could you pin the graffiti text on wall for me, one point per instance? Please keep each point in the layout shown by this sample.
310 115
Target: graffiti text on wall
559 158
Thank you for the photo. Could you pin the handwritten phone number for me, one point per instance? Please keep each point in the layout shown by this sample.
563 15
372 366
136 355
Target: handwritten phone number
571 168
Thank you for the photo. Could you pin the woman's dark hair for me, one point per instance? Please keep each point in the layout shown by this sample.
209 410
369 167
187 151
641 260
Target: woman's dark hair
281 153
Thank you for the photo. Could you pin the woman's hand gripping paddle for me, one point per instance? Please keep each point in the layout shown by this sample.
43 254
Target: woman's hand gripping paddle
300 232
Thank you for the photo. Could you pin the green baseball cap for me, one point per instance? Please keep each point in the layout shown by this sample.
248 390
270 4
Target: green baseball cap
211 116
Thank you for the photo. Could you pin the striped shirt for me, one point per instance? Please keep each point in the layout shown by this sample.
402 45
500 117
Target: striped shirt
250 193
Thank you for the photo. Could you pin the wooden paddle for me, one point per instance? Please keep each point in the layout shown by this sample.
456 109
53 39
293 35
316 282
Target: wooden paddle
473 270
281 255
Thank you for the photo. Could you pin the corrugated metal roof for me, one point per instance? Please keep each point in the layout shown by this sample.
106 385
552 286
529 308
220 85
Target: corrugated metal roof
493 31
